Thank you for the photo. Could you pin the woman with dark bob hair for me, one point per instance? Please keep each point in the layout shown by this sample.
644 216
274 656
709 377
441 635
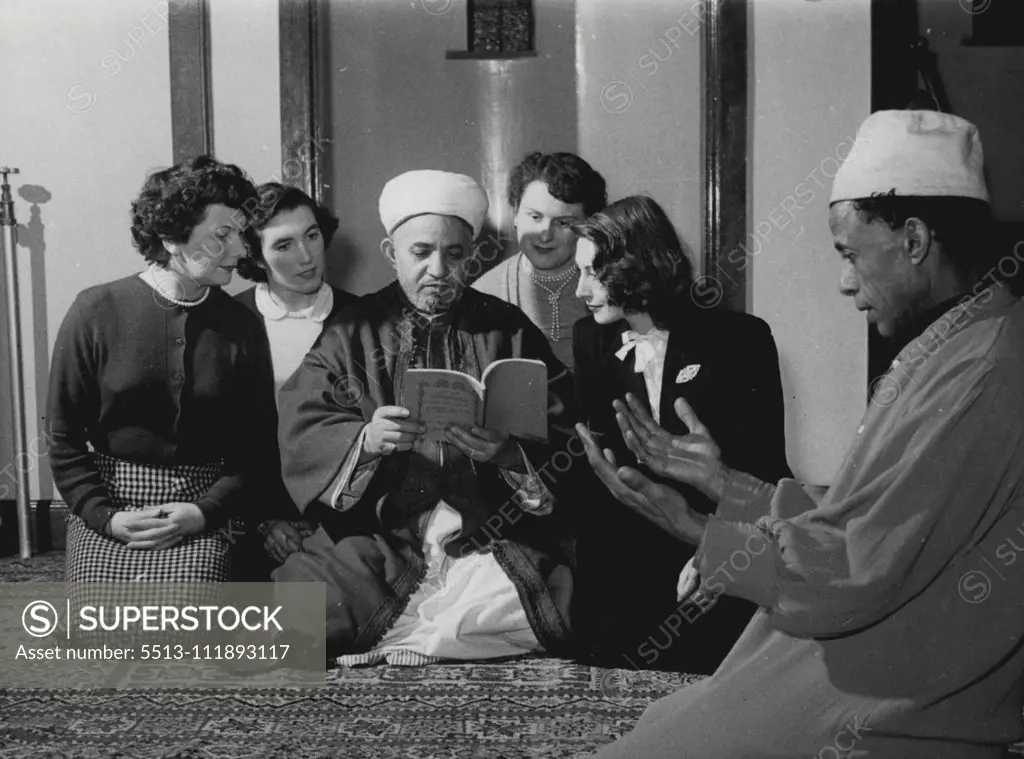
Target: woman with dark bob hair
161 399
648 344
287 237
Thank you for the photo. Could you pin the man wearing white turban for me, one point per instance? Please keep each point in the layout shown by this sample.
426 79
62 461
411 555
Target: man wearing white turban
428 550
892 612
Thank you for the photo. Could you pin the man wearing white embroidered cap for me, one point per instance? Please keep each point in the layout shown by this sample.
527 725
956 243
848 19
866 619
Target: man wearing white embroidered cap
892 611
910 215
429 550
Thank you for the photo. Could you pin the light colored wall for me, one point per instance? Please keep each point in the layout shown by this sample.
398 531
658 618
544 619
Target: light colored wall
639 81
88 126
86 116
810 87
396 104
246 83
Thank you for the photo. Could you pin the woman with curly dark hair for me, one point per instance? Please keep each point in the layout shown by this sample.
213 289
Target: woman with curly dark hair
548 192
287 237
649 344
161 393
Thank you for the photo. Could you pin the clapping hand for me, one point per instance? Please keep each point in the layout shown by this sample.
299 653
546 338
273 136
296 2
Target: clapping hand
694 459
659 503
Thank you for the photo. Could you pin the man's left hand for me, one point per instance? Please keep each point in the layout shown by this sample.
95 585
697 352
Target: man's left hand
694 459
486 447
659 503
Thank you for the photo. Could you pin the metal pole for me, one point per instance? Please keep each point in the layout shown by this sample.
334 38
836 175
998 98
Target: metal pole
9 245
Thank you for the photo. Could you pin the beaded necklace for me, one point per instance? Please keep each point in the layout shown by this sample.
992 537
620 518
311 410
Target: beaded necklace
558 282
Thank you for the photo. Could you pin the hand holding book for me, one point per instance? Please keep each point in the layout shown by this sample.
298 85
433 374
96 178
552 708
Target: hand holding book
485 446
511 399
389 430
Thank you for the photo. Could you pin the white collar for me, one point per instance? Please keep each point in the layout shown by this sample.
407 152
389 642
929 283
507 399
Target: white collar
648 348
271 309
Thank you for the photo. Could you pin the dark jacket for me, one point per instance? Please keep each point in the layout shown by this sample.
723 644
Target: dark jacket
281 506
726 366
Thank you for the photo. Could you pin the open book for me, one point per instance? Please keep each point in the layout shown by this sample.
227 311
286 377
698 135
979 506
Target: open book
511 397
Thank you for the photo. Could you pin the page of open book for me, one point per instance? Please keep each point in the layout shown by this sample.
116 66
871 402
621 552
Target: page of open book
441 398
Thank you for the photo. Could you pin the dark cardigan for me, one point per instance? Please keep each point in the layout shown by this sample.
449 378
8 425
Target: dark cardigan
142 379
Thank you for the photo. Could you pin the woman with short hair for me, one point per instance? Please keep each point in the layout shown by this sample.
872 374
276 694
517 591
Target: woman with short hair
548 192
287 238
649 344
161 397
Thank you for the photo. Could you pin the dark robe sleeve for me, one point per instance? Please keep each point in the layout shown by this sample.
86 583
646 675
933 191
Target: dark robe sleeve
323 407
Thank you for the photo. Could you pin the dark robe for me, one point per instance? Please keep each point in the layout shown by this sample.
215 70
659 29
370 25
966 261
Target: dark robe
628 566
368 548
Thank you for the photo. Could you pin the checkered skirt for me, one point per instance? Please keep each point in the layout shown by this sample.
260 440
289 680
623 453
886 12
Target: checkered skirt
203 558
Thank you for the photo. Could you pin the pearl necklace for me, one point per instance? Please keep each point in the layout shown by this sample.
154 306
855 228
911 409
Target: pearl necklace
186 303
554 295
155 281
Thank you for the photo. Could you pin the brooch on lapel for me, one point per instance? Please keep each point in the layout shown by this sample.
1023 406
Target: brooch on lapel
687 373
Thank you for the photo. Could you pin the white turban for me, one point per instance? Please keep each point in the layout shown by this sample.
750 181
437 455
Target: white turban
914 153
435 192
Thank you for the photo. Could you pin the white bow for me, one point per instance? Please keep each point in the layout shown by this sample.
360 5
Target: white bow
646 347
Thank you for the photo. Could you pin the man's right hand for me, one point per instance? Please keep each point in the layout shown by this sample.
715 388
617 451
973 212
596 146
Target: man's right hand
694 458
388 431
281 539
145 529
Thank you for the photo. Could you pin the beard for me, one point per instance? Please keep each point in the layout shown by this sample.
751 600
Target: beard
439 298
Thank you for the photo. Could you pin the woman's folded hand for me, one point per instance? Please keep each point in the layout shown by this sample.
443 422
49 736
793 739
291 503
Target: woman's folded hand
145 529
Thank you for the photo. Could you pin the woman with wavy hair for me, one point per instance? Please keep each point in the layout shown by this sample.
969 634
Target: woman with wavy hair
648 345
161 399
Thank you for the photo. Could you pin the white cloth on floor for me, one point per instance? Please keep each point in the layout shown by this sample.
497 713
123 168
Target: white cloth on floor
465 608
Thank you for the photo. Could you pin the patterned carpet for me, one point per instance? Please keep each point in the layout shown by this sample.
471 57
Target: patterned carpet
537 708
534 708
